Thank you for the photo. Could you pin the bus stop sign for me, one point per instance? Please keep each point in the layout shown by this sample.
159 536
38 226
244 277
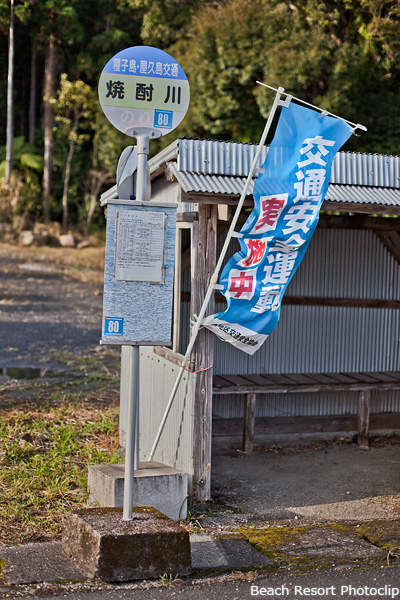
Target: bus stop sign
144 90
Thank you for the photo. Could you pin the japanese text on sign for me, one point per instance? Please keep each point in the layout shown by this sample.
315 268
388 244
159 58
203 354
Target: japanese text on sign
140 246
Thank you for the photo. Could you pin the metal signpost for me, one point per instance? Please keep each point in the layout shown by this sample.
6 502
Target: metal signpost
144 93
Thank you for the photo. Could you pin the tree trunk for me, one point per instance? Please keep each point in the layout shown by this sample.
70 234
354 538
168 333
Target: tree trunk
66 184
49 93
32 94
10 112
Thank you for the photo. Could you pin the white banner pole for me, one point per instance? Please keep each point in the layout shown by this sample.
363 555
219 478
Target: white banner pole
214 277
322 110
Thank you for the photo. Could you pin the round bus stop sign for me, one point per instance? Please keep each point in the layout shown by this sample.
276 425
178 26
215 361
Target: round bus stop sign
144 90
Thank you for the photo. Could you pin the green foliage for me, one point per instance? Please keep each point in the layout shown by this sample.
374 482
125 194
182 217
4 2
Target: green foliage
20 196
164 22
26 159
343 55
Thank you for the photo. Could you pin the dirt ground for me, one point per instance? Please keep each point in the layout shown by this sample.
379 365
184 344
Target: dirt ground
48 302
50 307
325 480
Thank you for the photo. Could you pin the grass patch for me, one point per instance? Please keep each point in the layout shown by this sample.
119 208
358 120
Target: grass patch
44 454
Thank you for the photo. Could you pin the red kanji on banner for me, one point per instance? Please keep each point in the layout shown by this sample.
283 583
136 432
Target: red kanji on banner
241 284
256 252
270 210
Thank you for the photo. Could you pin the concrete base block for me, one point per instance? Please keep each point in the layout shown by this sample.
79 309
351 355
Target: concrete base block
155 484
103 545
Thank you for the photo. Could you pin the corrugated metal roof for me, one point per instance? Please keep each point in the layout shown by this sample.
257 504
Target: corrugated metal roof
363 194
209 184
217 158
197 183
218 167
210 157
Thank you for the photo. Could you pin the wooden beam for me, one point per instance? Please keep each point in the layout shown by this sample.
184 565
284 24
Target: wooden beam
391 241
204 251
248 422
360 221
364 398
176 326
364 208
345 302
328 205
294 389
306 424
321 301
168 354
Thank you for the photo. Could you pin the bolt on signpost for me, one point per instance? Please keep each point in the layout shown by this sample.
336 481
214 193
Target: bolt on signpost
144 93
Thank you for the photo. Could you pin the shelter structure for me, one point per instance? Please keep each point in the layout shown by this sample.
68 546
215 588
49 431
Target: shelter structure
333 361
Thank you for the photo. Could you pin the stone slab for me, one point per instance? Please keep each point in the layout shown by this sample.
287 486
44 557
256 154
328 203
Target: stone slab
385 534
325 541
155 484
209 553
103 545
36 563
46 561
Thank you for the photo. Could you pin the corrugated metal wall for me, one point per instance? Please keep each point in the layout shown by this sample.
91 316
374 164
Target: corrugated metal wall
347 264
316 339
325 339
157 378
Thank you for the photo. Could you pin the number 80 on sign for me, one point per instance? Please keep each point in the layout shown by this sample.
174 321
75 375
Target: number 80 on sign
113 326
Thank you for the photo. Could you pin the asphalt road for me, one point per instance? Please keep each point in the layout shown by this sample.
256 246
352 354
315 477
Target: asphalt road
370 584
43 309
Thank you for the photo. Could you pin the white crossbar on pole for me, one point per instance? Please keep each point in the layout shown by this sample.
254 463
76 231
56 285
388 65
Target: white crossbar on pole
214 277
325 112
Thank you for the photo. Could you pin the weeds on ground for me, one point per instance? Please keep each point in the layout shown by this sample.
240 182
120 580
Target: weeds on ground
44 454
170 580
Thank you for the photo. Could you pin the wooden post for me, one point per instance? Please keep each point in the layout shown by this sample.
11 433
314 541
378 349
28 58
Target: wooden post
204 248
363 418
248 422
177 290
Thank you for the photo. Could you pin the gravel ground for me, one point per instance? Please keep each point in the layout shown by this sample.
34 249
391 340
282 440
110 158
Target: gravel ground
51 300
46 307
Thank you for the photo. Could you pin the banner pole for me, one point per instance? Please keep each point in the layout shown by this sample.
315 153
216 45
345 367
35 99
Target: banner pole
322 110
214 277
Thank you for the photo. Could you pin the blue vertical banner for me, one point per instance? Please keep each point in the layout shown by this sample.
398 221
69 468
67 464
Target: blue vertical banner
288 195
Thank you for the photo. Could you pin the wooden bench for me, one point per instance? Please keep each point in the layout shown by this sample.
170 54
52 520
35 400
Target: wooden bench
363 383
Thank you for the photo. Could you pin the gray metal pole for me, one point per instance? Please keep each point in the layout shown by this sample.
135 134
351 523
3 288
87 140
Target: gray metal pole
130 433
142 150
